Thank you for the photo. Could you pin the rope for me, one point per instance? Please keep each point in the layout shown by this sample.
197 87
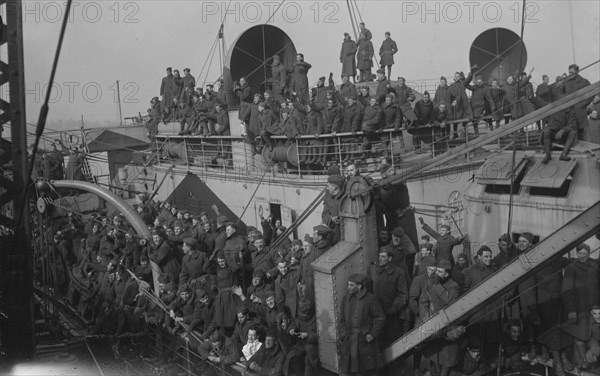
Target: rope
275 11
514 153
93 357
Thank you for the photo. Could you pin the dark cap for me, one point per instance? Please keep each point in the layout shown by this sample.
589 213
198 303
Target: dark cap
190 241
221 220
381 70
444 264
358 278
322 78
336 179
528 236
399 232
321 229
258 273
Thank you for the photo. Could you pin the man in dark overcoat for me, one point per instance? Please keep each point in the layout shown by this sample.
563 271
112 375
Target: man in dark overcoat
386 53
362 321
390 287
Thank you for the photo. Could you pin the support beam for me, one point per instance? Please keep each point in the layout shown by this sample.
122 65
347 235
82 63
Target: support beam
562 240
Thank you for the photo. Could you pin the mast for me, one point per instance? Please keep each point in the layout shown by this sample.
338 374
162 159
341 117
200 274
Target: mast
119 103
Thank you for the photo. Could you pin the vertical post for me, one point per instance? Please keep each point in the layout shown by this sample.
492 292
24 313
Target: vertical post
391 136
119 102
467 141
432 142
339 148
203 155
187 159
299 169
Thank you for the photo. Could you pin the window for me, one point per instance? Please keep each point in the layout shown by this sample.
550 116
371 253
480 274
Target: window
455 201
497 54
496 174
553 179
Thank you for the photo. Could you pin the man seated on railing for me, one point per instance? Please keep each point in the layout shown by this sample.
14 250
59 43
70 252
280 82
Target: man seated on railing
392 115
313 125
289 126
372 123
269 124
251 119
220 127
562 127
185 117
332 119
351 122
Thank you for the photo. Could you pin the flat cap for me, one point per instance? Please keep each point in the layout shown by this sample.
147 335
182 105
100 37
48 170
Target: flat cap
444 264
528 236
321 229
336 179
358 278
399 232
190 241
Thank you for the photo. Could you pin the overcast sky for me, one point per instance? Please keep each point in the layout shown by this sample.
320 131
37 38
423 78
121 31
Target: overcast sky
133 42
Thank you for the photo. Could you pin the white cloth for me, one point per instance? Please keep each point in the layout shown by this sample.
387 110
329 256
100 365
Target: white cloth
250 349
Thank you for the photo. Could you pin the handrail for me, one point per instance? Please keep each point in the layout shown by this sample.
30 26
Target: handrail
546 111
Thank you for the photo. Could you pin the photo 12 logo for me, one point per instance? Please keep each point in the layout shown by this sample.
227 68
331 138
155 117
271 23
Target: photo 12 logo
89 92
88 11
468 11
271 11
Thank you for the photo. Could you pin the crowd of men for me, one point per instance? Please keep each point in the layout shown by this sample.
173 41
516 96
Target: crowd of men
289 107
246 296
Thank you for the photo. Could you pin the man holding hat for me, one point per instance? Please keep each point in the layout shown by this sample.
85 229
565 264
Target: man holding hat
390 287
194 264
362 321
331 205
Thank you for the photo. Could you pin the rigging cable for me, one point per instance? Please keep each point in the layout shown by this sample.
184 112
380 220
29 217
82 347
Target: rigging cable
514 152
44 109
351 19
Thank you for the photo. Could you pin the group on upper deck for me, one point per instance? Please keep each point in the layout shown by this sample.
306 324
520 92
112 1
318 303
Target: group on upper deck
287 106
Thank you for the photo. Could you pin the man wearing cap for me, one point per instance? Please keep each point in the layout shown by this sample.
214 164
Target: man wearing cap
445 241
189 84
319 94
391 288
361 324
331 205
220 350
351 122
286 288
299 80
263 257
279 75
269 359
347 57
260 289
194 264
269 124
386 53
347 89
421 258
480 102
235 249
419 290
572 83
242 325
443 291
163 255
483 323
383 85
166 88
372 124
364 58
403 251
220 235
